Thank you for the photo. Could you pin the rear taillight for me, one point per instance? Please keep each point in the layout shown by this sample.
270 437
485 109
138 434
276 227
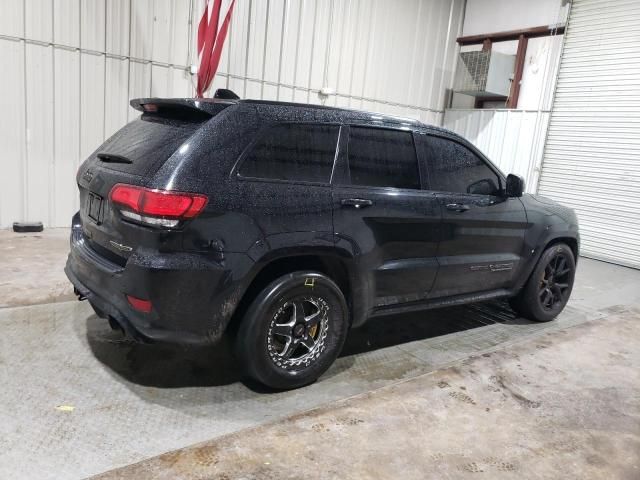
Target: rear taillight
139 304
160 208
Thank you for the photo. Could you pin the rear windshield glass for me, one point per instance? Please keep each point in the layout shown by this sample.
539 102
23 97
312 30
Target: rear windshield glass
147 142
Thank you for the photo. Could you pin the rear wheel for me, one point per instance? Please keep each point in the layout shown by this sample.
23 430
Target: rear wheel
293 331
548 289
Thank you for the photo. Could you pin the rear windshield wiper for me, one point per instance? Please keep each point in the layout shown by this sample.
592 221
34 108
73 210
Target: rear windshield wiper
112 158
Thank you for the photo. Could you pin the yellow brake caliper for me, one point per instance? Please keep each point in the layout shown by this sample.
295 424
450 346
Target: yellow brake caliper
313 330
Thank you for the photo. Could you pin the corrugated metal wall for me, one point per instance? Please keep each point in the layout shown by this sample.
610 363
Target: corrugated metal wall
592 155
69 68
512 139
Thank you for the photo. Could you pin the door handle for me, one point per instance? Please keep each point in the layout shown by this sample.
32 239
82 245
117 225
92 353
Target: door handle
458 207
356 202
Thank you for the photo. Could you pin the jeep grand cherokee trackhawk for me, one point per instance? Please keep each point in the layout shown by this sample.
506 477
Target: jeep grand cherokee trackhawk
288 224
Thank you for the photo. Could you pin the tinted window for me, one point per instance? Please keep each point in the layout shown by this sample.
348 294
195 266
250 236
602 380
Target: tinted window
382 158
293 152
148 142
455 168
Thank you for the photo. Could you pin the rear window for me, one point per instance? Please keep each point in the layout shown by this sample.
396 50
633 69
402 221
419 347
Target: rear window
382 158
148 142
293 151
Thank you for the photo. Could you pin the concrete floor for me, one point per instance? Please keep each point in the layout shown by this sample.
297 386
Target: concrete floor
536 410
78 400
31 267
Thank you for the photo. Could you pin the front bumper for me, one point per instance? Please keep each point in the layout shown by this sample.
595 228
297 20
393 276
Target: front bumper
193 297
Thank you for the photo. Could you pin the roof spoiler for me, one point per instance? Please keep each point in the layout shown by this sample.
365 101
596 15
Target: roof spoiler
207 106
225 94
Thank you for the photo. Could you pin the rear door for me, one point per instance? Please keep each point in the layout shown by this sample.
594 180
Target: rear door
482 231
383 217
284 185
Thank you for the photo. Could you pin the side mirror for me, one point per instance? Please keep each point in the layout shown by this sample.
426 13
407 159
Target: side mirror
515 185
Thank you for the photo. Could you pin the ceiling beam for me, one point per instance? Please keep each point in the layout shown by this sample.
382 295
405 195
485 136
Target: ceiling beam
533 32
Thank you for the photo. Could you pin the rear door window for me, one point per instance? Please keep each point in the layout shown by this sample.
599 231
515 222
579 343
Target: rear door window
382 158
294 152
457 169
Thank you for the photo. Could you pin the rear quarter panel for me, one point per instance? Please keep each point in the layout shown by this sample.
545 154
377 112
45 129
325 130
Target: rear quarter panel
245 215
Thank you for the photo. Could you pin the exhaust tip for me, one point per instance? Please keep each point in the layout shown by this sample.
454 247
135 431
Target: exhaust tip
115 325
79 294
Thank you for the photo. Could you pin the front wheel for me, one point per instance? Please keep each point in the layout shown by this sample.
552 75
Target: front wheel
293 331
548 289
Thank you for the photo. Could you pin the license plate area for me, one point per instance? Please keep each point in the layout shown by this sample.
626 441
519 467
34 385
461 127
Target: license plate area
95 207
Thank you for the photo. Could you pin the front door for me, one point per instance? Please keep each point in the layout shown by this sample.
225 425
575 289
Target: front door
382 216
482 238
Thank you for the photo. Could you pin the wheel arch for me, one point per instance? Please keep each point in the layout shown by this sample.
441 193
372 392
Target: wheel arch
571 241
331 263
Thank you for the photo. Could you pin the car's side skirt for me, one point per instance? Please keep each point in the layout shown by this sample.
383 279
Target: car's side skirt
441 302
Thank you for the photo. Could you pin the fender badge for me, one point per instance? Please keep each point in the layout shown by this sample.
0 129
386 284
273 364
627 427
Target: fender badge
121 247
500 267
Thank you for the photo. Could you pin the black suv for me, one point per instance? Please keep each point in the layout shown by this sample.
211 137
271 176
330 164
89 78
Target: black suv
288 224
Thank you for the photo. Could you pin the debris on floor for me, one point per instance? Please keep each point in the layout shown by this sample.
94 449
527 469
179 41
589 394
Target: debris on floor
65 408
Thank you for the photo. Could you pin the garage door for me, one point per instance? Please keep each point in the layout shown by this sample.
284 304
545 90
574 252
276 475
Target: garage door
592 153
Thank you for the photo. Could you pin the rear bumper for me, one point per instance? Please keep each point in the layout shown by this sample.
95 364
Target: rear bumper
193 297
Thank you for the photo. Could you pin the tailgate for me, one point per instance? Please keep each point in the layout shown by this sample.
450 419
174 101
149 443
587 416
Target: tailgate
132 155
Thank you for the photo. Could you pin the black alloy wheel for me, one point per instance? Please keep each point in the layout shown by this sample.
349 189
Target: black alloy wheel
548 288
554 284
293 330
298 331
